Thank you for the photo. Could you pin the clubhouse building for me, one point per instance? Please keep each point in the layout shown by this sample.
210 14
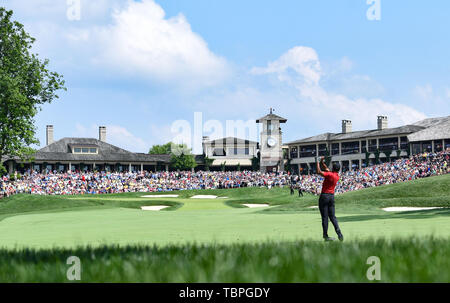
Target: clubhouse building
231 153
84 154
356 149
352 149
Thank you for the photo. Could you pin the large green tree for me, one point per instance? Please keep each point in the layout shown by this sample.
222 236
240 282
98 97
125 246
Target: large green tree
161 149
182 158
25 85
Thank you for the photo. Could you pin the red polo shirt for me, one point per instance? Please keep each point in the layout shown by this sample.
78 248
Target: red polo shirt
331 179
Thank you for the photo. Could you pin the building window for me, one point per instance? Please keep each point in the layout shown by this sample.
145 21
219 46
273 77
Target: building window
350 148
84 150
335 149
307 151
363 146
294 153
426 146
438 146
345 166
416 148
322 150
372 145
447 144
219 152
403 143
240 151
388 143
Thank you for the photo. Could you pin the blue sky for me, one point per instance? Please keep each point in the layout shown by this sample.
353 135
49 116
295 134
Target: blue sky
138 67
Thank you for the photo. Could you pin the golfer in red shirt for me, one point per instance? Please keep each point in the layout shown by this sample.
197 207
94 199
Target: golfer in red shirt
326 200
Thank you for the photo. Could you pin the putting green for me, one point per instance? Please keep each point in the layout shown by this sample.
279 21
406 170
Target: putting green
228 225
188 204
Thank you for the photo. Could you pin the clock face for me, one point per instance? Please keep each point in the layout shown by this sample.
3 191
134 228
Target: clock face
271 142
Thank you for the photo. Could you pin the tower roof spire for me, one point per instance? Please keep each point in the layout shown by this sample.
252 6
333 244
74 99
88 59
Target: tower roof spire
271 116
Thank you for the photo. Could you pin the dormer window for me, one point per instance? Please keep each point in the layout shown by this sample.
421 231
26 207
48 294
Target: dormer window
84 150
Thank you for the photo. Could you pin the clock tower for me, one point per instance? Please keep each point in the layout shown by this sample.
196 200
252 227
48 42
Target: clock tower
271 142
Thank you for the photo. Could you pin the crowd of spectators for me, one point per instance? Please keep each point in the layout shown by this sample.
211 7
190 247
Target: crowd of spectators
405 169
73 183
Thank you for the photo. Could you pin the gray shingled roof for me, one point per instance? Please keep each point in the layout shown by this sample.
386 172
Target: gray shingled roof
432 121
318 138
61 151
402 130
437 132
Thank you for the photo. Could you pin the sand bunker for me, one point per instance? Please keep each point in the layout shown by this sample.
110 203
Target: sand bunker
404 208
204 197
160 196
154 207
314 206
256 205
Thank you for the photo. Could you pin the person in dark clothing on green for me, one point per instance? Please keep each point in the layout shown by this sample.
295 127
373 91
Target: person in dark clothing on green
326 200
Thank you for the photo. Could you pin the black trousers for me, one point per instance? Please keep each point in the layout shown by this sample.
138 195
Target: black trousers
326 207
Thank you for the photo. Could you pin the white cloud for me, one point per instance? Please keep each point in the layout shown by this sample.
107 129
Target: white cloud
142 40
435 99
303 61
123 38
327 107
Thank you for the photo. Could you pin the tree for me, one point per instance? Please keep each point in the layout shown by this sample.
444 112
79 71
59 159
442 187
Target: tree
238 168
388 153
367 160
288 166
256 162
182 159
161 149
327 157
377 156
208 162
25 85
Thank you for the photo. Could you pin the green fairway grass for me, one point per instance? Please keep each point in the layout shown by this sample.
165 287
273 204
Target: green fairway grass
401 260
46 228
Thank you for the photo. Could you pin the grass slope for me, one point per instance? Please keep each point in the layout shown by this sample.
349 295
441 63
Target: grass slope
72 221
402 260
216 240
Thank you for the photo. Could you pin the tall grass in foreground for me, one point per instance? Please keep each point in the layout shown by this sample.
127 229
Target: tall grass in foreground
402 260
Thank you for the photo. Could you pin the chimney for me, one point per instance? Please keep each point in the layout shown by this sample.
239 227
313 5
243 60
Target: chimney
49 134
102 133
346 126
382 122
205 139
